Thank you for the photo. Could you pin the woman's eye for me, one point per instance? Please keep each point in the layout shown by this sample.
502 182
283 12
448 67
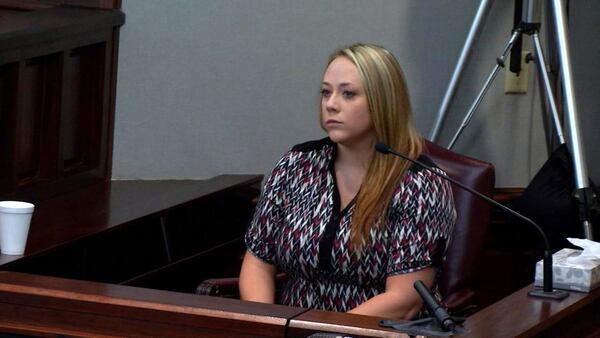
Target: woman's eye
348 94
325 92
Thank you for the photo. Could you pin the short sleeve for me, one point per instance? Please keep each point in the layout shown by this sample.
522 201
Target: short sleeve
419 223
263 230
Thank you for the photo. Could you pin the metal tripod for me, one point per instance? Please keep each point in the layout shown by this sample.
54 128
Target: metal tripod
529 25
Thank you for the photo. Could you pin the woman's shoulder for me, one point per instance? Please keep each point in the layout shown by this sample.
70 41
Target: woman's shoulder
416 171
316 152
418 179
423 158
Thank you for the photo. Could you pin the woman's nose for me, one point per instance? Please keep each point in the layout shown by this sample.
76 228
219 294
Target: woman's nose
331 103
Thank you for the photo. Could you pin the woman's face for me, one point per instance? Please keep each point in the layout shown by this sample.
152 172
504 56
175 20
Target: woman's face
344 107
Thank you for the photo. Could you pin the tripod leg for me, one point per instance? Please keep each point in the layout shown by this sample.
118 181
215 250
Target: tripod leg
486 86
542 70
576 142
476 27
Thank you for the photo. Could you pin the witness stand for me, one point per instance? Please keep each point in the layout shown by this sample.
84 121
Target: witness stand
123 258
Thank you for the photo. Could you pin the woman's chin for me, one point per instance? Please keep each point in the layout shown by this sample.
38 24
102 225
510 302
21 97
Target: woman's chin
342 141
336 137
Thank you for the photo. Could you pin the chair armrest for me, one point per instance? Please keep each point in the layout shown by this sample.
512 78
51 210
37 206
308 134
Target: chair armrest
220 287
229 287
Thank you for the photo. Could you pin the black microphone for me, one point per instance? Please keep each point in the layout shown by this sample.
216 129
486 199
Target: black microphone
548 290
434 307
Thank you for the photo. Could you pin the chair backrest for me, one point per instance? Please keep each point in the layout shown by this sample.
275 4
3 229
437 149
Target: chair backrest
459 276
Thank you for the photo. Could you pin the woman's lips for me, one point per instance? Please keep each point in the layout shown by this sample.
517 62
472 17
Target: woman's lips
331 122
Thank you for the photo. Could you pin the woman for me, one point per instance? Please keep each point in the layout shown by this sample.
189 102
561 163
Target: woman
352 228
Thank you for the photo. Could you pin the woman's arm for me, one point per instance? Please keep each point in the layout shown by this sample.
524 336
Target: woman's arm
400 299
257 280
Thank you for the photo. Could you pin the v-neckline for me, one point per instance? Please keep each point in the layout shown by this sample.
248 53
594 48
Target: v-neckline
337 197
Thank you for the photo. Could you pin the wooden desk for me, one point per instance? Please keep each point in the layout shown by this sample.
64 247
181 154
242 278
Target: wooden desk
123 259
519 315
37 306
140 233
514 316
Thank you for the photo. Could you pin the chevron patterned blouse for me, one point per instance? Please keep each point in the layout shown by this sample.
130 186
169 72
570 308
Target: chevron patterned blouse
299 227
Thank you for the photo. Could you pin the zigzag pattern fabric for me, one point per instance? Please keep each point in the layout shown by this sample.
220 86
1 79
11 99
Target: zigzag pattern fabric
291 220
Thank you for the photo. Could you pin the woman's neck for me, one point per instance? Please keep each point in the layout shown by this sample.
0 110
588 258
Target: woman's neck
351 164
356 155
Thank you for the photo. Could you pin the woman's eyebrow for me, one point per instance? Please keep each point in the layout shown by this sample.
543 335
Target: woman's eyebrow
343 84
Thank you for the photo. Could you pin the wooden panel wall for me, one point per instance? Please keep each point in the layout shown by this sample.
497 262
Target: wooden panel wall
57 89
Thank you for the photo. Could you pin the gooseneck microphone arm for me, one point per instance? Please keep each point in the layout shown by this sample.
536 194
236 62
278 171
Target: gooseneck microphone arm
548 289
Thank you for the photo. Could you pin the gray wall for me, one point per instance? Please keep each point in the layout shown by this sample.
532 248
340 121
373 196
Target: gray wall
585 47
227 86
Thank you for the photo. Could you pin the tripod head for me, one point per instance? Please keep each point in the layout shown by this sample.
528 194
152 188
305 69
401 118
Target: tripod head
527 16
531 13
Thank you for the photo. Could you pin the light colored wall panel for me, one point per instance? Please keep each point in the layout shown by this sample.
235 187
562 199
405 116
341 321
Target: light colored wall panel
227 86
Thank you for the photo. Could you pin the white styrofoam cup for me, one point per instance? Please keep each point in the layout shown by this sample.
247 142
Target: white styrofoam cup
15 217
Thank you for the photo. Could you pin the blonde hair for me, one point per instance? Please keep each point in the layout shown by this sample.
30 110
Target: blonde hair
391 117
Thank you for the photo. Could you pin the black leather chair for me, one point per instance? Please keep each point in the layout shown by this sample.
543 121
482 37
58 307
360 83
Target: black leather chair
458 282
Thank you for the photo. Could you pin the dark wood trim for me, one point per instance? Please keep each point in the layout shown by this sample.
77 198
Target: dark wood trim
30 5
34 304
24 5
316 321
505 195
48 31
112 59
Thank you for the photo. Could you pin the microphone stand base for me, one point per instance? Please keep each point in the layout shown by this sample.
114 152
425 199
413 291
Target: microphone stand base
424 327
554 294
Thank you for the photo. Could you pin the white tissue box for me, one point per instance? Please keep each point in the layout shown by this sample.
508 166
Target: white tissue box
582 276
